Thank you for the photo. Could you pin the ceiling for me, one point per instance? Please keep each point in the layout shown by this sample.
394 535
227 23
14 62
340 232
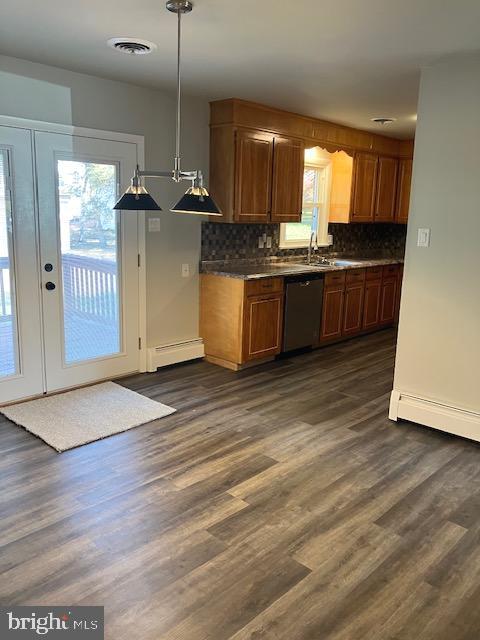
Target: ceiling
341 60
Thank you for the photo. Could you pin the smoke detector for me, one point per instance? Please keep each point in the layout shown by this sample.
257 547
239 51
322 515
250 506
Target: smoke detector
383 121
132 46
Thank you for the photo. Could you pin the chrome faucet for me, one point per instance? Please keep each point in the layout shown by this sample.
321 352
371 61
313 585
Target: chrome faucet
310 246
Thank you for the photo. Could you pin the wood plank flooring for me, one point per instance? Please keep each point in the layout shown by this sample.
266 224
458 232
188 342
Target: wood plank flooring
278 502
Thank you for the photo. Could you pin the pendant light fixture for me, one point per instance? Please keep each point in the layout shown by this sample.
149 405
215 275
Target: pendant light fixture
196 200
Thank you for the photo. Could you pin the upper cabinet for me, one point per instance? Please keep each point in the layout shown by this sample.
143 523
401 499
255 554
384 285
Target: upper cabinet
257 158
403 196
287 183
253 176
256 176
364 184
386 191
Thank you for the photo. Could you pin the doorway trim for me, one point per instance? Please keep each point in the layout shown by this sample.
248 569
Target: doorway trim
100 134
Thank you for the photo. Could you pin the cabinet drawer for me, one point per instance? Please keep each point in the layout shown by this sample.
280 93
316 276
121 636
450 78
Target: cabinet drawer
266 285
355 275
334 278
390 270
374 273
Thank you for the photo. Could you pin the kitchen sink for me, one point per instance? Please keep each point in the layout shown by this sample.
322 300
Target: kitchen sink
344 263
332 263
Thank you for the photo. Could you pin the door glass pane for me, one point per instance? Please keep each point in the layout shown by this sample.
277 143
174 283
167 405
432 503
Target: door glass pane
89 252
8 323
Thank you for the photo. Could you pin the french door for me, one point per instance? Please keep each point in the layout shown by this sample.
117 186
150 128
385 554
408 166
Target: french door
69 288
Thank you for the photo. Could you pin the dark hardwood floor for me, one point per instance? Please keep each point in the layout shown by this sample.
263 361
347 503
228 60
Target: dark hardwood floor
278 502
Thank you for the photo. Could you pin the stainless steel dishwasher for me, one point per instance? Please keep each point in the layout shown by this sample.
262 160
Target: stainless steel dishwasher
303 311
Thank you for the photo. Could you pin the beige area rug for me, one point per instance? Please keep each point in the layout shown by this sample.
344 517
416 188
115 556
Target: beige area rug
70 419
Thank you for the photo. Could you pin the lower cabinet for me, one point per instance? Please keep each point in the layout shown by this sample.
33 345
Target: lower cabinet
263 326
354 298
241 321
373 295
388 303
358 301
332 311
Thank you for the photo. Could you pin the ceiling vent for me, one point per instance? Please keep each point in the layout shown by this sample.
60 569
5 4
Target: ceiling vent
132 46
383 121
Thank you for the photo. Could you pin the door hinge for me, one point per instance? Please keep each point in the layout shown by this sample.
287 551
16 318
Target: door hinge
138 259
139 343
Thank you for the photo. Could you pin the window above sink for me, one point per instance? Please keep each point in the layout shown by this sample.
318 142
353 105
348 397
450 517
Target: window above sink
326 191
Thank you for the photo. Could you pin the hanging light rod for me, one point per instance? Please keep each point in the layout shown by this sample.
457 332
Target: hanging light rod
196 199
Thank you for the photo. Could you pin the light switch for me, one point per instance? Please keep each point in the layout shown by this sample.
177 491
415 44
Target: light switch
154 225
423 238
185 270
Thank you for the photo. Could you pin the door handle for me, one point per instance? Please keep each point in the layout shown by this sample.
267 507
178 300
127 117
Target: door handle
305 284
48 266
50 286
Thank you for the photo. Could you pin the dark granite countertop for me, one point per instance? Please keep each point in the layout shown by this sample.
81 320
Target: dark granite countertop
254 270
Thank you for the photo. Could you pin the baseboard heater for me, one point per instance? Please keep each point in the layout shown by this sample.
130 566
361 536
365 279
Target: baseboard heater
167 354
432 414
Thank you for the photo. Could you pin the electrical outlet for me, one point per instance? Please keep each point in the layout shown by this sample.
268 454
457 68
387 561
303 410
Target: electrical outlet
185 270
154 225
269 242
260 242
423 238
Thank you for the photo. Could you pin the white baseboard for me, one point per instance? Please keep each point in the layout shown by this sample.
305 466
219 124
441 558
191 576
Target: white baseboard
173 353
433 414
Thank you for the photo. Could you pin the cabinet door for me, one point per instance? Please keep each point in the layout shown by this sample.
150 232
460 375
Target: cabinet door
371 312
263 326
404 182
253 176
332 313
399 293
385 201
353 308
388 300
287 185
364 185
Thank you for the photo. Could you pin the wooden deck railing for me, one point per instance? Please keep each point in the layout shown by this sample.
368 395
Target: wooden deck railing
89 286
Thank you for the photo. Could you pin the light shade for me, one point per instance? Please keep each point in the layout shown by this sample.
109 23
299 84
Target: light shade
197 201
137 199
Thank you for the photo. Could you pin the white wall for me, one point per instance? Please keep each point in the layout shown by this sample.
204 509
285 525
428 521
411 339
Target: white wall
39 92
438 357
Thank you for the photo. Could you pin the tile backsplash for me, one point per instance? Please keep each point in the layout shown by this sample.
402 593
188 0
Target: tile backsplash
222 241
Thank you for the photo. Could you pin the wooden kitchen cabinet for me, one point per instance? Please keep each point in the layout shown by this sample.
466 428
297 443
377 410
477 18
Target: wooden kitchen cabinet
373 294
364 182
358 301
388 300
253 176
332 313
287 184
241 321
403 191
333 304
257 161
353 302
263 326
386 189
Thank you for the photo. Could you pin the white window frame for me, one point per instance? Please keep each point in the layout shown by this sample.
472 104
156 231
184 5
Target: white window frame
323 211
